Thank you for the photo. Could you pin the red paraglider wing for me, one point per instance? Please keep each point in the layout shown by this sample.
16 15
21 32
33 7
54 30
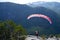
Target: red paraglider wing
40 15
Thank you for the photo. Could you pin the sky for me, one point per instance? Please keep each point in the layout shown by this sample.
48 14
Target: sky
28 1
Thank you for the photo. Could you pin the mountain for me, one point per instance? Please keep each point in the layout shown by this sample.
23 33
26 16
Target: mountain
55 6
19 13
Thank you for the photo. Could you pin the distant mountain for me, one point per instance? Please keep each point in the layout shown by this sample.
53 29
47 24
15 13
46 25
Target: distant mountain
19 13
55 6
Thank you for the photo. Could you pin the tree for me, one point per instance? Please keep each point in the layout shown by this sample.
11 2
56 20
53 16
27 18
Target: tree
8 30
3 31
15 30
19 31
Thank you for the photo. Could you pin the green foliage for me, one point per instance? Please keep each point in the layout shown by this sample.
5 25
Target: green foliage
9 29
20 29
58 35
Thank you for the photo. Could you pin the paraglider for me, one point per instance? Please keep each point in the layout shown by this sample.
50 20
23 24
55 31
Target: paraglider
40 15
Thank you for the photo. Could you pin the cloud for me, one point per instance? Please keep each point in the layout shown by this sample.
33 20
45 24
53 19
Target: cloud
28 1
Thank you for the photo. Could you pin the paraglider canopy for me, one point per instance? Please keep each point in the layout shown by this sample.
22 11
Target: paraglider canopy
40 15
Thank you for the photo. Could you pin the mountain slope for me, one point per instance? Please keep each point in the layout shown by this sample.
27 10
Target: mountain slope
55 6
19 13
